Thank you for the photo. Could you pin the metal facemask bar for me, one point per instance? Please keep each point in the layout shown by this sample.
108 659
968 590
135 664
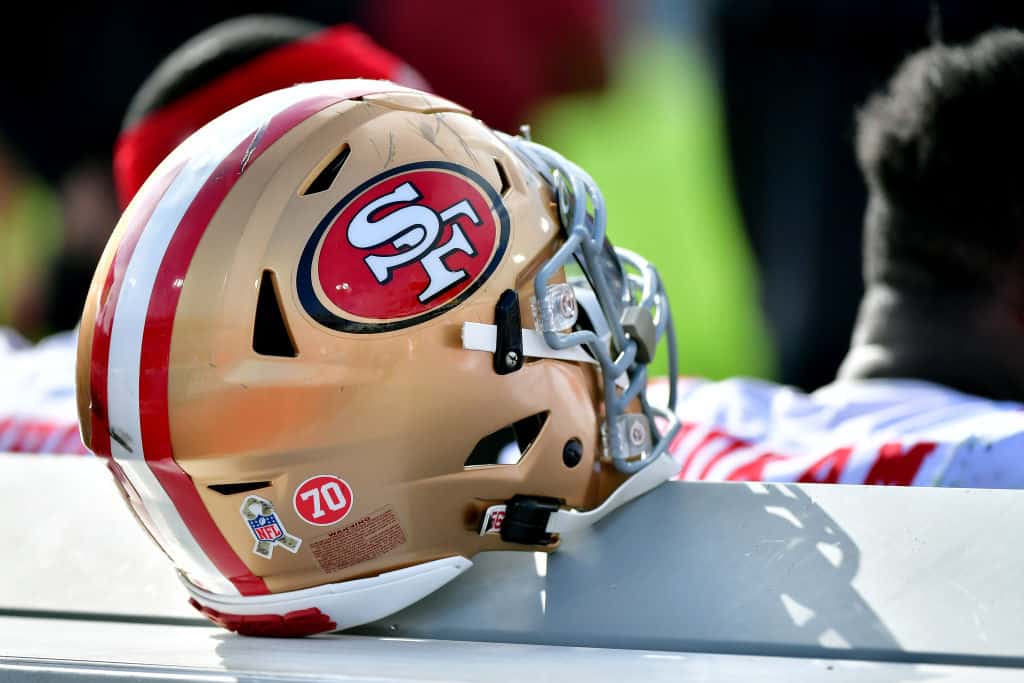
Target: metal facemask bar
636 315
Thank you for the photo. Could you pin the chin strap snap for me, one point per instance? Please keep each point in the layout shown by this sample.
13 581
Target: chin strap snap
526 519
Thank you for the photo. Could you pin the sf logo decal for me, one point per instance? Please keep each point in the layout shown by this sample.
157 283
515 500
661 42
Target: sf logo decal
403 247
414 230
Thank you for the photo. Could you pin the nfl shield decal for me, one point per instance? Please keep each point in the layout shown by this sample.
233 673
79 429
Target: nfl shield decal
266 527
402 248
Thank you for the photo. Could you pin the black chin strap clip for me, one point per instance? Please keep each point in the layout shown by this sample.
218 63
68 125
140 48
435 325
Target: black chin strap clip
508 344
526 519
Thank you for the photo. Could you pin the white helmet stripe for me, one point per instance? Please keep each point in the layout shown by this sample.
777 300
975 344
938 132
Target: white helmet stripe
204 152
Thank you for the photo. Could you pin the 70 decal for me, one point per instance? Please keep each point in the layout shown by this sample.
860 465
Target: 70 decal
323 499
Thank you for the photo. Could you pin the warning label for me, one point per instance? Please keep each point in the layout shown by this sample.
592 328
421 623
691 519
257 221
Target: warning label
375 534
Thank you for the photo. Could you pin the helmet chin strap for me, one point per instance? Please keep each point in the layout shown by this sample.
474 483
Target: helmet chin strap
533 520
564 521
484 337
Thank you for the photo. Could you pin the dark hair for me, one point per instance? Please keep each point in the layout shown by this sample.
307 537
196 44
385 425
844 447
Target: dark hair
211 54
942 149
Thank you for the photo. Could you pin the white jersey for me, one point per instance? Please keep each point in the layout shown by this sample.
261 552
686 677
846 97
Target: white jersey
878 431
38 412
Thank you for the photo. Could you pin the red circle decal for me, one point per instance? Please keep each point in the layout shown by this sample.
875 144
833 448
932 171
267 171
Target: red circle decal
323 499
406 245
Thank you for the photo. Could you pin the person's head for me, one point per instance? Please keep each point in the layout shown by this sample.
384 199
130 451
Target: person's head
230 63
333 350
942 150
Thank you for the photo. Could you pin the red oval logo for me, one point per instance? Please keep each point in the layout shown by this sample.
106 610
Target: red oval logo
322 500
403 247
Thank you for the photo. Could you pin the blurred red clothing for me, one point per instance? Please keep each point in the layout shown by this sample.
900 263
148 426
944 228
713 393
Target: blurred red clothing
499 59
337 52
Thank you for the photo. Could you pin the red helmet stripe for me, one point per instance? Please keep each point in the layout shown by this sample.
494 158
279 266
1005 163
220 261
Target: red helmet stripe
156 342
140 213
153 379
135 320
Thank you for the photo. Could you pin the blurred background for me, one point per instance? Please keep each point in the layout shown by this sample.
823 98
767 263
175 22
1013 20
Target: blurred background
719 131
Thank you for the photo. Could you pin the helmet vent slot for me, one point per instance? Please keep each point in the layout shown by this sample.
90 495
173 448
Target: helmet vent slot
508 445
270 334
232 489
328 172
505 184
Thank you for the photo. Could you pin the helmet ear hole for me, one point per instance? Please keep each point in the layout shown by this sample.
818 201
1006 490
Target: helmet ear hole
270 334
508 445
528 429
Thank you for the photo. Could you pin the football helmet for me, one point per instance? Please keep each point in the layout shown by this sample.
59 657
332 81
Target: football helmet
346 336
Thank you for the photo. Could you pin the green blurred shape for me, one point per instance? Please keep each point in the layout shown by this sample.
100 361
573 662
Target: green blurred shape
30 237
654 143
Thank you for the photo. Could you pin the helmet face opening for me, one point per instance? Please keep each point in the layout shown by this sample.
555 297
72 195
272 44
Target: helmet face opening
290 352
629 320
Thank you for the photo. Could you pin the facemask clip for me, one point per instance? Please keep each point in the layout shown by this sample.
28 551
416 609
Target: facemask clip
557 311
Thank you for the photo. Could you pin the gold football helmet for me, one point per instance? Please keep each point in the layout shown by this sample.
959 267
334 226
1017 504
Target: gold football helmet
346 336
